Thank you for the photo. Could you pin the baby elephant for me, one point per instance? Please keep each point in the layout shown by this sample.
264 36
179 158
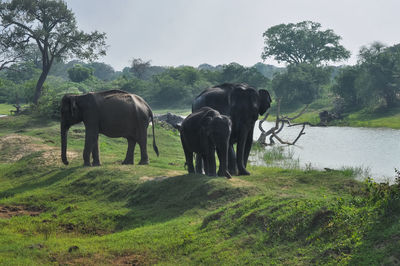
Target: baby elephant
203 132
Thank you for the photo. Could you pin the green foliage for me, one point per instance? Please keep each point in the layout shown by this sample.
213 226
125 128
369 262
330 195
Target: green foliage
374 82
303 42
79 73
102 71
345 86
235 73
300 84
52 27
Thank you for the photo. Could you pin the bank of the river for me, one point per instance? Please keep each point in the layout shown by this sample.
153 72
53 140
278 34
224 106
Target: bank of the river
363 118
158 214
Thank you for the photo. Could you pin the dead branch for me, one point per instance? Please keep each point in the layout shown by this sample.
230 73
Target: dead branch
280 122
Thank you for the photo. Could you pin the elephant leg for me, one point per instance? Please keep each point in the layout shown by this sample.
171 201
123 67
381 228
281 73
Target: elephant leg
232 167
211 165
247 147
95 153
144 158
205 162
240 153
199 163
130 151
91 137
222 170
188 156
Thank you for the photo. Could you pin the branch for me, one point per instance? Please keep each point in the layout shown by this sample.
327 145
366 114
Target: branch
279 124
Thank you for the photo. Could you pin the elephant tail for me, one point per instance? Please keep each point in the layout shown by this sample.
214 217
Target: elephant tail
154 136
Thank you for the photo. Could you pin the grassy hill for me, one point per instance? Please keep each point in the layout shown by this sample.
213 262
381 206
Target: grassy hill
158 214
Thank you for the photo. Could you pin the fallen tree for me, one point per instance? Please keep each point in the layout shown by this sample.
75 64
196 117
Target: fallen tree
280 122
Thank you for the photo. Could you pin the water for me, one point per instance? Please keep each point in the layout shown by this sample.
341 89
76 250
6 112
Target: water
375 150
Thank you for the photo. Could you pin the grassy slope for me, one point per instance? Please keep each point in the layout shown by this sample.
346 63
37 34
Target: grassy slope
158 214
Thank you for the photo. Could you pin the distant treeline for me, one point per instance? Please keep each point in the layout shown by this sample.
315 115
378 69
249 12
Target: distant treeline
161 87
373 83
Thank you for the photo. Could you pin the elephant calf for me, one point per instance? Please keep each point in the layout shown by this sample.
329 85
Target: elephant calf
203 132
113 113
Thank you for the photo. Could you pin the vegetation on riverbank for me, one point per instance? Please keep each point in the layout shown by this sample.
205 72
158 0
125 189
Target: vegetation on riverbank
159 214
367 117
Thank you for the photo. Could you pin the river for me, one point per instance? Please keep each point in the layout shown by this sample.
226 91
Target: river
376 151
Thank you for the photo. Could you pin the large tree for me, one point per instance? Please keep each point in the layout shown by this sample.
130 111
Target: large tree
303 42
381 67
52 27
139 67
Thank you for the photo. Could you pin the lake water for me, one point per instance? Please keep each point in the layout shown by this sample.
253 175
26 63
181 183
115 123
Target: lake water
375 150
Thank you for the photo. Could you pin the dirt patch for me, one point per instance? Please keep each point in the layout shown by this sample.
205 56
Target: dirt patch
7 212
161 178
132 260
237 182
99 259
15 146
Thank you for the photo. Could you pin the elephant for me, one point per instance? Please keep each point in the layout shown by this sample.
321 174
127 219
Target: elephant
243 104
203 132
113 113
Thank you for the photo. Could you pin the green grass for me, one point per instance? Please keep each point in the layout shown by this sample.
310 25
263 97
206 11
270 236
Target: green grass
5 108
182 112
367 118
158 214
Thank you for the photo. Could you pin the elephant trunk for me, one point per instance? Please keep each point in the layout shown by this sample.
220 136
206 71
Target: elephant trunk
64 132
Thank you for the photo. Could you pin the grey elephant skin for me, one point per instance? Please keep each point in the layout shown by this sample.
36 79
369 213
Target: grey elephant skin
113 113
203 132
243 104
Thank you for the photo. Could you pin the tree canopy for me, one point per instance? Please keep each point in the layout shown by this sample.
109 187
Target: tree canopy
303 42
52 27
375 80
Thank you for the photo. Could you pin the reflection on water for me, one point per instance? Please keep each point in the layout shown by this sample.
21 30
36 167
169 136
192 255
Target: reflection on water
374 149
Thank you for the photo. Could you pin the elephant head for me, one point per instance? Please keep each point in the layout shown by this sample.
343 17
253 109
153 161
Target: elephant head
70 115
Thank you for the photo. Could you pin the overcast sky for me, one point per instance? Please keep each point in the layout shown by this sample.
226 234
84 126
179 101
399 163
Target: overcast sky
192 32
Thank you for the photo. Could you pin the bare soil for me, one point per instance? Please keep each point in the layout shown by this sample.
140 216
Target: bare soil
14 147
7 212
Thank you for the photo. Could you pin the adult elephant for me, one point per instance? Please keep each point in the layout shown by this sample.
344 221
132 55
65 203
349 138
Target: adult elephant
203 132
243 104
113 113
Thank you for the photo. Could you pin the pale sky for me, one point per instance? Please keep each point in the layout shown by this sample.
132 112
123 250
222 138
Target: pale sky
192 32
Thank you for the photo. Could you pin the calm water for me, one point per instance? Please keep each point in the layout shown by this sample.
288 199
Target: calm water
376 150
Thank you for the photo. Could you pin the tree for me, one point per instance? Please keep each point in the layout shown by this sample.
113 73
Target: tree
303 42
139 67
346 85
236 73
52 26
381 67
79 73
102 71
300 83
11 51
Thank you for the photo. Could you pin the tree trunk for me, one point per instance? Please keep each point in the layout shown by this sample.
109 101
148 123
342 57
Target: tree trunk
39 84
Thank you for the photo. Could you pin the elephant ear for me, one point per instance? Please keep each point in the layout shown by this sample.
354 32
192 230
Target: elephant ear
264 101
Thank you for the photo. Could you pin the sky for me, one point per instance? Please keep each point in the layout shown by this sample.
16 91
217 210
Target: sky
193 32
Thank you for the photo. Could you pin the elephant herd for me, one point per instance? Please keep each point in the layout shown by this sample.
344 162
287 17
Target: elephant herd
221 116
